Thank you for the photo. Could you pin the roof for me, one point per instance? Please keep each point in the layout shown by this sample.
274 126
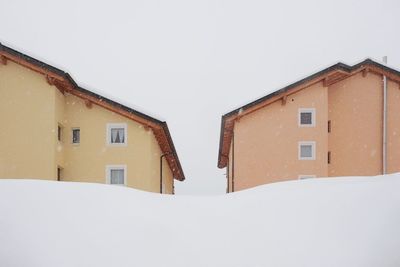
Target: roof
65 83
328 76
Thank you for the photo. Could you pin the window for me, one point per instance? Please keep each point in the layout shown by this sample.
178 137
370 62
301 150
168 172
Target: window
307 150
59 173
116 134
306 176
116 174
329 126
306 117
59 133
329 157
76 135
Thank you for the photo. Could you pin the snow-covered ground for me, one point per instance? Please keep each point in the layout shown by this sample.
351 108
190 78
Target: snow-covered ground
351 221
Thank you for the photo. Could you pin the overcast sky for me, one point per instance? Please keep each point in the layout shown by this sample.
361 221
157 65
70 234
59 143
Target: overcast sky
189 62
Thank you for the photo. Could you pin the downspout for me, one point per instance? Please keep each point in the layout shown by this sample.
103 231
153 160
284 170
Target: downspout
161 169
384 130
227 176
233 161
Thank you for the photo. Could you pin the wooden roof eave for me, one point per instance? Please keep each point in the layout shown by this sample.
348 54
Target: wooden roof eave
167 148
5 56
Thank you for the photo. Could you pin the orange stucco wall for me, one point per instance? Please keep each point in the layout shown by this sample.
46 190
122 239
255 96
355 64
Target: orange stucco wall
266 141
355 111
393 129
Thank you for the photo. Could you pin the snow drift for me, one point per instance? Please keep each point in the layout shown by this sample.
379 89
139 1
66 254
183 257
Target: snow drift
351 221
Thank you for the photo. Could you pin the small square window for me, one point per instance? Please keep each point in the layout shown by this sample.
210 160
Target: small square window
76 135
116 134
116 174
307 117
307 150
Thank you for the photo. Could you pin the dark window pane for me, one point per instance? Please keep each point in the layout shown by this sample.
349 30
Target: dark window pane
306 118
58 174
59 133
117 135
76 136
117 177
306 151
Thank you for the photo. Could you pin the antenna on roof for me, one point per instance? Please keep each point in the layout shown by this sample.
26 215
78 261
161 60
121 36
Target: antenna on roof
384 59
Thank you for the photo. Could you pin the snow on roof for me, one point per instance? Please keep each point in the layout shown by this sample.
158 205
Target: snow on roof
124 102
302 77
316 222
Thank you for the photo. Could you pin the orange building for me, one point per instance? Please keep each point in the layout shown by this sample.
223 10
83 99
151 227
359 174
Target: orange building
341 121
53 129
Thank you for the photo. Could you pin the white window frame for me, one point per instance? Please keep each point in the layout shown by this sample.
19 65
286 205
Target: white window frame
313 114
115 167
313 150
72 135
116 125
306 176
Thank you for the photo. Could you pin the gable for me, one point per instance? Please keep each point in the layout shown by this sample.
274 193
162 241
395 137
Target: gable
64 83
328 77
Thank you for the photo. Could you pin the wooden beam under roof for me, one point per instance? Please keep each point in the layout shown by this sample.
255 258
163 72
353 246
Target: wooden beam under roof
3 60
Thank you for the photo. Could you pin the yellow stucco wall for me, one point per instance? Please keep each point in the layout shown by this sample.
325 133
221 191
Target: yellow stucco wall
29 148
141 155
59 120
27 124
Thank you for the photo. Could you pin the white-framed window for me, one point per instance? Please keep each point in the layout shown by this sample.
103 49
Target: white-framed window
117 134
307 117
307 150
306 176
76 136
116 174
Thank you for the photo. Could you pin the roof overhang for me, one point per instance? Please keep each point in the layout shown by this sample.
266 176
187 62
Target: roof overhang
64 82
328 76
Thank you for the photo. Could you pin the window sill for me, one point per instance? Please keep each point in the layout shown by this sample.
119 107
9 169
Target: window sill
117 145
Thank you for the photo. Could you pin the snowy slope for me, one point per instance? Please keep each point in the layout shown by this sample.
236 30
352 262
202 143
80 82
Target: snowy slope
317 222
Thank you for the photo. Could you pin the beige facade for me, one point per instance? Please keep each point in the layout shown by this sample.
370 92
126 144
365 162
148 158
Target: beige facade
262 142
35 112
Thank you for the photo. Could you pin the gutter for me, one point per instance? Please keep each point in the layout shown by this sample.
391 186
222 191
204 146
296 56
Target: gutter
384 130
161 169
233 161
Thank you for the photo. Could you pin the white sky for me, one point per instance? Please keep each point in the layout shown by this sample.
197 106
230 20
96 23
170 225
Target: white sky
192 61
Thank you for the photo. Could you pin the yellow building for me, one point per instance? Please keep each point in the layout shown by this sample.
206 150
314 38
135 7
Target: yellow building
53 129
341 121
